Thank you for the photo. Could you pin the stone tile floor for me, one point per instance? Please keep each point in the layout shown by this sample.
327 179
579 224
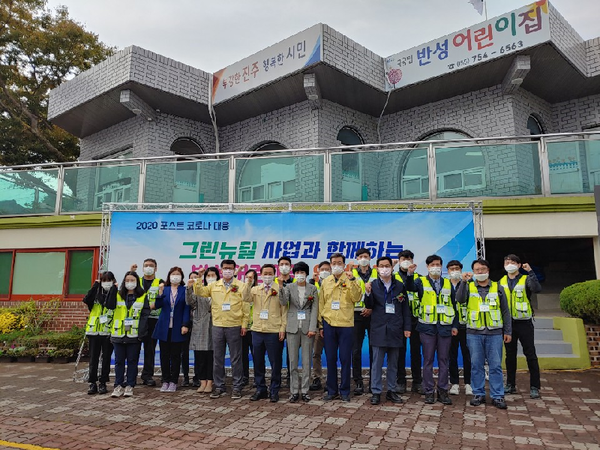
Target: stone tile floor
41 406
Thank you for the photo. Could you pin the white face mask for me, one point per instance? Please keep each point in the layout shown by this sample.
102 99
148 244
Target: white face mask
285 269
227 273
210 280
337 269
405 264
364 262
455 275
268 279
106 285
324 274
130 286
385 271
175 279
435 271
481 276
300 278
148 270
511 268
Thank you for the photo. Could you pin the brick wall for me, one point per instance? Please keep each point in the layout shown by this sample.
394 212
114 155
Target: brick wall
568 41
70 313
593 339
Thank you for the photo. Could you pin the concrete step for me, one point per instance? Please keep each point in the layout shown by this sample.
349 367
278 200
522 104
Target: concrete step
545 334
541 323
544 348
547 301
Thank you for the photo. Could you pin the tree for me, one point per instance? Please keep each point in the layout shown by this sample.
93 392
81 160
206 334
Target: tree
39 49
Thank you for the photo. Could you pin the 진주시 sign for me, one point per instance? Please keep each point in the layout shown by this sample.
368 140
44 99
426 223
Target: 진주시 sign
497 37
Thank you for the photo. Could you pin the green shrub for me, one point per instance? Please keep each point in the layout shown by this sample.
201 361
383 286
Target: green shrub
582 300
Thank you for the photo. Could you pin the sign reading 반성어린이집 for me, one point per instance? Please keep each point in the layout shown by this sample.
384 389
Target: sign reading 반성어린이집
199 240
509 33
279 60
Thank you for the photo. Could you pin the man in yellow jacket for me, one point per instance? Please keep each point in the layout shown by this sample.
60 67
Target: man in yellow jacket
337 297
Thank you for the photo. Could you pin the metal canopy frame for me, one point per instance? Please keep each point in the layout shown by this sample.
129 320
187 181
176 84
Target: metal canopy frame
108 208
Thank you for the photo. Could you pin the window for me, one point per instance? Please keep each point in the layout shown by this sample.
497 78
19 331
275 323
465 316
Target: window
39 273
81 265
6 259
186 146
534 126
113 182
351 179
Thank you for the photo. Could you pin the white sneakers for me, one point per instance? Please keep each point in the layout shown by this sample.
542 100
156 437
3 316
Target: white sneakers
454 390
128 391
117 392
468 389
164 387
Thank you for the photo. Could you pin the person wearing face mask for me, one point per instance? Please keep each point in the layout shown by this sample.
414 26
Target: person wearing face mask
97 330
438 322
268 331
390 322
455 275
488 324
172 326
150 283
362 318
301 300
337 297
229 314
130 325
518 288
251 278
201 335
285 268
323 272
406 258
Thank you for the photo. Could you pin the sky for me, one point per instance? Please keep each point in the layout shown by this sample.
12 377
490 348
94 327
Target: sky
212 35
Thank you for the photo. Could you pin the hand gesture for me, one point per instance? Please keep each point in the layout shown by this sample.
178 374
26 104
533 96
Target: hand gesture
349 274
412 269
527 267
133 268
161 288
394 262
466 276
201 272
190 282
368 287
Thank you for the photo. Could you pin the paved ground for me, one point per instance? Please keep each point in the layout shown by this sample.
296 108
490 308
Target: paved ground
41 406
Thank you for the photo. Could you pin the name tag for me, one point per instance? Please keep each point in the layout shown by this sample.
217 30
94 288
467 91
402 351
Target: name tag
172 314
103 319
264 314
226 307
492 301
301 315
390 308
128 323
484 308
440 309
335 305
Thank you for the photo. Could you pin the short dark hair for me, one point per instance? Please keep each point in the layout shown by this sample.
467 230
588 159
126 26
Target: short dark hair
268 266
151 260
138 291
213 270
322 263
301 266
284 258
432 258
363 251
513 257
228 262
385 258
338 255
192 273
480 261
108 276
454 262
171 270
406 254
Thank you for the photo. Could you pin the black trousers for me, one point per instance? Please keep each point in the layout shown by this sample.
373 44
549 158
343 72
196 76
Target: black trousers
415 357
203 365
170 359
246 350
461 340
185 357
522 330
100 344
149 351
362 325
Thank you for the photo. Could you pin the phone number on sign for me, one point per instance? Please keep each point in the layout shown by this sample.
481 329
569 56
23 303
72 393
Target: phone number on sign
483 56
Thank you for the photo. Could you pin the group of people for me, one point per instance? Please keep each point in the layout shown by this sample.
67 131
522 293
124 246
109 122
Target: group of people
332 311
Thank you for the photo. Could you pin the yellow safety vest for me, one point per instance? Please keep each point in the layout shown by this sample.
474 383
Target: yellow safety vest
484 313
99 322
413 297
359 305
436 308
152 294
519 304
122 313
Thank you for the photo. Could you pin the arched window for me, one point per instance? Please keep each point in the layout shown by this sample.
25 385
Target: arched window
265 178
186 146
186 177
351 183
534 126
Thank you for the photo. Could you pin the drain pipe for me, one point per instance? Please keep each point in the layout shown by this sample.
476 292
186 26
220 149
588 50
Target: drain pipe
211 112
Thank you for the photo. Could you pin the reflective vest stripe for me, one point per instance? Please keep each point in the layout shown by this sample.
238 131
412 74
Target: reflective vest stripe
519 304
413 297
152 294
477 317
361 303
428 308
122 313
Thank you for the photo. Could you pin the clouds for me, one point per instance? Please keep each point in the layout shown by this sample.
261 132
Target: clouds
212 35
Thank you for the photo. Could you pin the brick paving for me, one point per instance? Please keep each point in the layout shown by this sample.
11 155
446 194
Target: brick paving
41 405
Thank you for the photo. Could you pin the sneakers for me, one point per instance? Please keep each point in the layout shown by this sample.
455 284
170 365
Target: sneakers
128 391
430 398
468 389
102 388
164 387
443 398
217 393
305 398
477 400
510 389
172 387
117 392
533 392
93 389
294 398
236 394
454 390
499 403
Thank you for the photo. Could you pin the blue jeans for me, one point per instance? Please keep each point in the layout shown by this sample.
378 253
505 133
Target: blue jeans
393 353
270 344
342 339
484 347
131 354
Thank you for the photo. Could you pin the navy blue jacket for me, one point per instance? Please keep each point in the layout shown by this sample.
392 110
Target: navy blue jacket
387 330
181 315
